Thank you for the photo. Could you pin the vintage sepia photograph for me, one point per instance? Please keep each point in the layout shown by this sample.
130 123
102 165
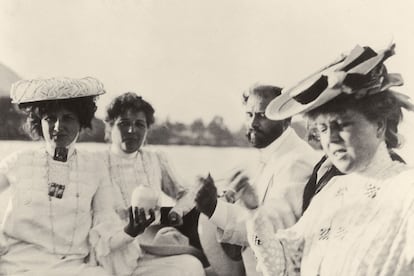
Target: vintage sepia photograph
216 138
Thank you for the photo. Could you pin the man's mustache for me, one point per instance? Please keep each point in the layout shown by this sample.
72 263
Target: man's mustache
250 130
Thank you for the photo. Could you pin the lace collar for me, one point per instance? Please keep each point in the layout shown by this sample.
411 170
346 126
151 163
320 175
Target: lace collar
114 149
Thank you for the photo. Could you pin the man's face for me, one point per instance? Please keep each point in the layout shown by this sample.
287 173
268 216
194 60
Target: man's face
261 131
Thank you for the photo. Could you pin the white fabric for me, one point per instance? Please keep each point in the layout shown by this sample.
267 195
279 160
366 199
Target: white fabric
171 265
219 216
359 224
152 169
27 244
54 89
287 165
149 168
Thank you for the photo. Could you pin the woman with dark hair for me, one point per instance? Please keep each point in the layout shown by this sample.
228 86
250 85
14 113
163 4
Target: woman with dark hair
59 206
133 168
362 222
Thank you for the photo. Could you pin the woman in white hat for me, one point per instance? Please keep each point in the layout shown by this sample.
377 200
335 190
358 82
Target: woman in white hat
360 223
144 178
60 197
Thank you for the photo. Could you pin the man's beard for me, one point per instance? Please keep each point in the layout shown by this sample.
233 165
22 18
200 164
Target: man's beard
257 138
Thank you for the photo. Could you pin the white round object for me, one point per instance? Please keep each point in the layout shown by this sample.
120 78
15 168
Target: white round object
144 197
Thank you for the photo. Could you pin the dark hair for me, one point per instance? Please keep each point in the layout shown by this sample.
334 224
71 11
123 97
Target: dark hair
385 106
83 107
268 92
129 101
265 91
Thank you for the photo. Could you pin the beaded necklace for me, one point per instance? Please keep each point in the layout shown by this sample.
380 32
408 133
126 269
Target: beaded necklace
121 183
58 197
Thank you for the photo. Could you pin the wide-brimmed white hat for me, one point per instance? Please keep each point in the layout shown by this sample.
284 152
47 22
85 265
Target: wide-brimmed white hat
35 90
168 241
361 73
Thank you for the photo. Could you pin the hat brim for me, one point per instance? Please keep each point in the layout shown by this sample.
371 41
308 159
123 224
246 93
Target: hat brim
168 250
322 86
56 98
286 106
146 239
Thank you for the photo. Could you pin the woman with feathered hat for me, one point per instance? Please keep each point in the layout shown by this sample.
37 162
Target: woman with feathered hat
362 222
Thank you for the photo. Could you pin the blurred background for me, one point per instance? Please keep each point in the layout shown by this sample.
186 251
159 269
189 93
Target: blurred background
192 59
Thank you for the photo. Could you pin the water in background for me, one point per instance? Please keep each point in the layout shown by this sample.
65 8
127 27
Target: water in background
191 161
188 161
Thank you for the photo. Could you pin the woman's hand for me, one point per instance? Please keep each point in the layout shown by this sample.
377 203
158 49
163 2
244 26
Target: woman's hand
174 218
138 221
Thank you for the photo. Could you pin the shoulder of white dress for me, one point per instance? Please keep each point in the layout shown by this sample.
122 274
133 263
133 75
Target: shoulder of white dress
405 176
148 150
92 158
152 153
29 153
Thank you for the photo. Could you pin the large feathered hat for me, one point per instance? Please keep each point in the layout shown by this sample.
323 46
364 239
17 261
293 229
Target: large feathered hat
360 73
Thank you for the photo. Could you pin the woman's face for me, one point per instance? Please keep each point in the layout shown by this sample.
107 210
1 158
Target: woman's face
60 127
348 139
129 130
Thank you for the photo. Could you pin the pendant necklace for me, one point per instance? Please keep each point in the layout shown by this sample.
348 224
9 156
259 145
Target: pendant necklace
56 190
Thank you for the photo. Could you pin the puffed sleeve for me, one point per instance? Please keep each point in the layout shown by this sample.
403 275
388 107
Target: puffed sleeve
409 222
174 186
409 250
116 251
286 193
6 165
230 220
277 253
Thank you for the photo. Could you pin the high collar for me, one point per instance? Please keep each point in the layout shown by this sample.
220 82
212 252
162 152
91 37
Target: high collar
267 152
379 164
120 153
50 149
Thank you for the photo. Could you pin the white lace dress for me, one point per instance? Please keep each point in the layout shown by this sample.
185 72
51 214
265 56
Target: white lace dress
359 224
147 168
152 169
43 235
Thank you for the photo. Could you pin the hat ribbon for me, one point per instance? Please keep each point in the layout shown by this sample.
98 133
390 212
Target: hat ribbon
362 73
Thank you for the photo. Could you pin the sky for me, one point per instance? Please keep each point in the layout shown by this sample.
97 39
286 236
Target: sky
191 58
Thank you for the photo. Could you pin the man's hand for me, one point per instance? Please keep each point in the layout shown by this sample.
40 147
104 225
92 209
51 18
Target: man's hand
237 183
138 221
206 197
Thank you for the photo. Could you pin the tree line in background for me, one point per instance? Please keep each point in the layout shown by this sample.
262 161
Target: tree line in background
215 133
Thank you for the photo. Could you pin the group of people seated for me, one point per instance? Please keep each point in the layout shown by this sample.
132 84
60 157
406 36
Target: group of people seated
335 201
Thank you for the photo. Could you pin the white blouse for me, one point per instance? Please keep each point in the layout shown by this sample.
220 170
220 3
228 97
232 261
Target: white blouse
149 168
359 224
41 233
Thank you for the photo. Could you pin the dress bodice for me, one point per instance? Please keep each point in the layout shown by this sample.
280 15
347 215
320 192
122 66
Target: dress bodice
359 224
58 224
